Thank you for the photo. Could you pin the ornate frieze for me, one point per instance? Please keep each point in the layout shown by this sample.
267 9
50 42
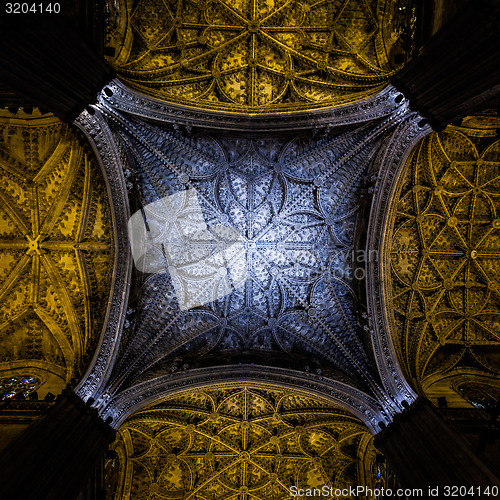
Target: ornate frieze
388 166
122 98
112 161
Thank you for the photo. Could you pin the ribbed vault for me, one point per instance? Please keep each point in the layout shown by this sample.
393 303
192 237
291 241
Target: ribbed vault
255 56
293 199
242 441
445 253
56 252
292 196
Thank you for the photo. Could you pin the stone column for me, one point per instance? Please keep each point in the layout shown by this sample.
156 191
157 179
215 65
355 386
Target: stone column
457 71
45 60
423 451
54 457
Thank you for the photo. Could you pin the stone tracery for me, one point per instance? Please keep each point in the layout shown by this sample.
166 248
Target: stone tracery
19 385
253 56
242 441
56 246
445 252
294 201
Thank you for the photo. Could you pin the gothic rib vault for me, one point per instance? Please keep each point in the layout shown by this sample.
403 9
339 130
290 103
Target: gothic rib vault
56 251
240 441
444 262
282 381
294 198
255 56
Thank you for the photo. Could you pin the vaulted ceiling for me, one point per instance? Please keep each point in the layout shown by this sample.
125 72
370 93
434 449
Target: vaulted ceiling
445 255
293 200
243 442
56 250
256 56
208 110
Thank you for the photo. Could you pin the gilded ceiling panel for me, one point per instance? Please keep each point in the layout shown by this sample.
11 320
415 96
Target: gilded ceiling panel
445 254
256 56
245 442
56 247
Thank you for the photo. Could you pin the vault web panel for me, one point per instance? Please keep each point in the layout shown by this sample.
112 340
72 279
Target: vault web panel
294 201
253 56
245 443
445 253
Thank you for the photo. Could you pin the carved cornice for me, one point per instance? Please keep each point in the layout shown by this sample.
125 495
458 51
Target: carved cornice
124 404
127 100
390 163
111 161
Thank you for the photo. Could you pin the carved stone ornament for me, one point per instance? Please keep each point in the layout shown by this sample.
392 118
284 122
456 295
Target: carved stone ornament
238 441
365 407
390 163
443 243
123 98
56 250
293 197
111 161
256 57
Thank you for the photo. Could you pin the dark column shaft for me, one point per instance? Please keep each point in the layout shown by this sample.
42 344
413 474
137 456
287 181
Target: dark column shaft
423 451
44 59
55 456
457 72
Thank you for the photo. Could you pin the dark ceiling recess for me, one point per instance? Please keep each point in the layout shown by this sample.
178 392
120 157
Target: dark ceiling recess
448 80
53 61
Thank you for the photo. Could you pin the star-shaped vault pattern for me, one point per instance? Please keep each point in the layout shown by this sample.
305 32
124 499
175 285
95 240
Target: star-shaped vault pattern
237 443
445 253
294 201
56 248
256 56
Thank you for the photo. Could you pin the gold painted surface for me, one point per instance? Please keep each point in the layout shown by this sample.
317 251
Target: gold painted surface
256 56
56 249
445 255
245 442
